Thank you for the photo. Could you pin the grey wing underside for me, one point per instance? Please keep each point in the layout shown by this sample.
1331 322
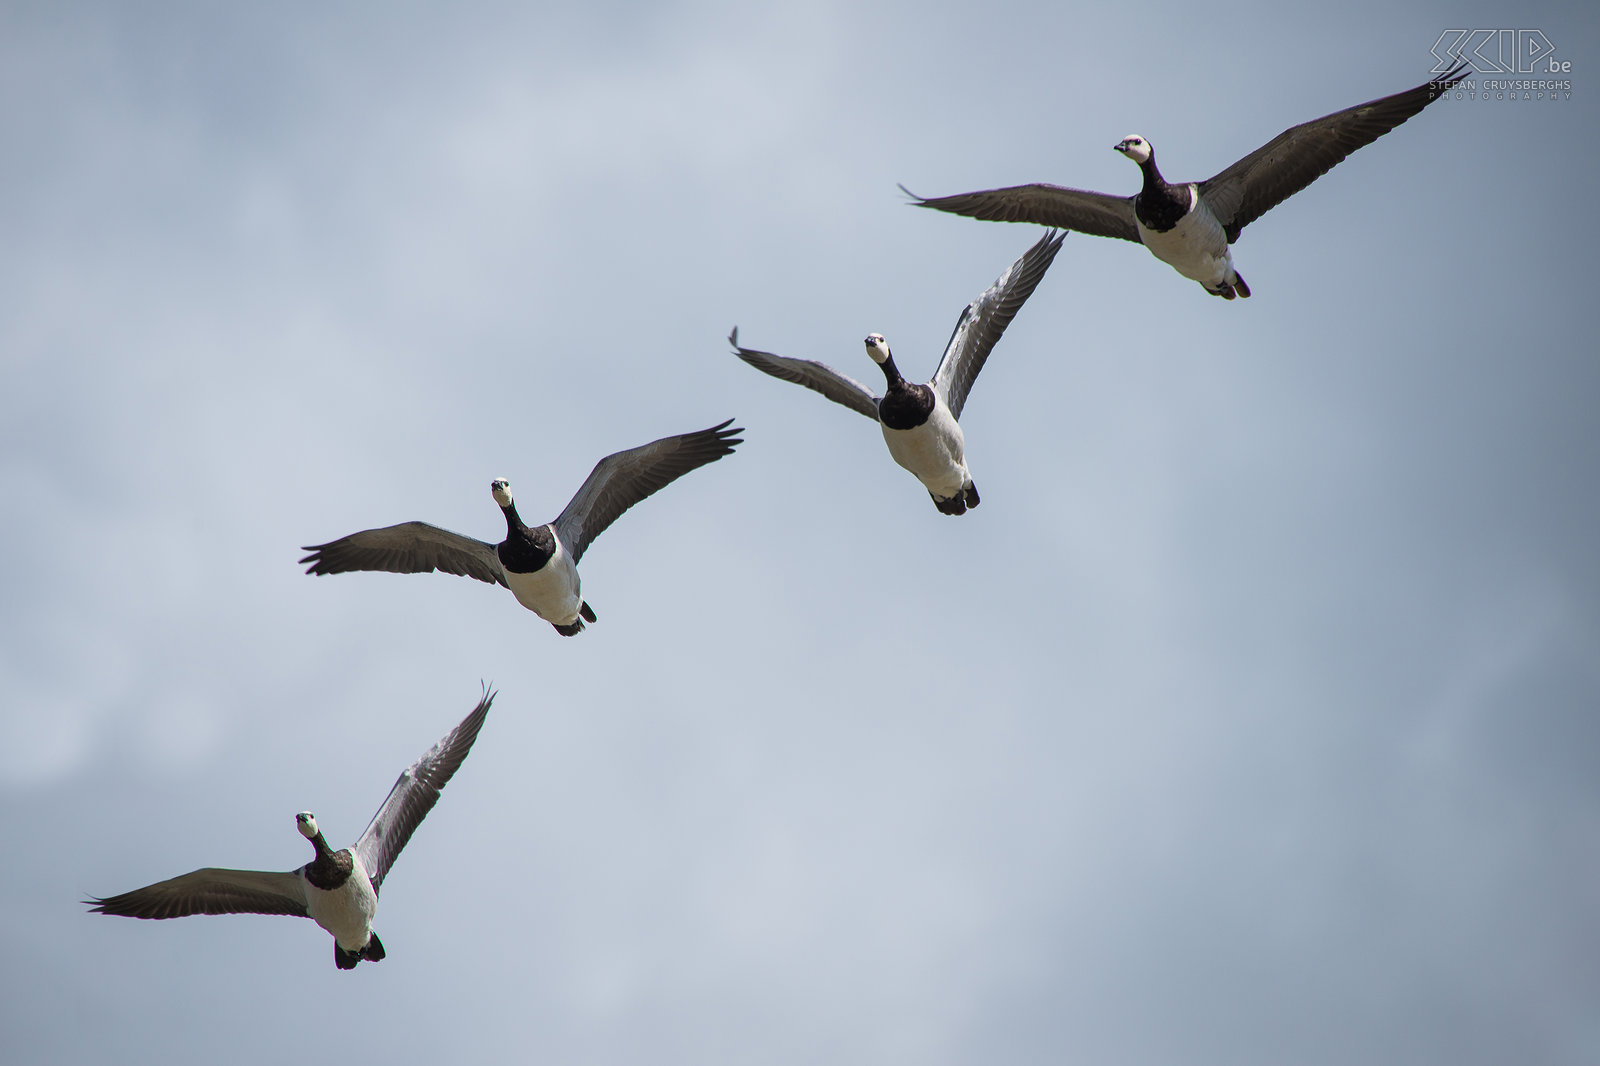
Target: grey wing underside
818 377
1300 155
622 479
210 891
1094 213
407 548
415 793
986 318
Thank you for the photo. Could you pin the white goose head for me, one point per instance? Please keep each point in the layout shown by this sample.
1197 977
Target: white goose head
1135 148
877 348
502 491
306 822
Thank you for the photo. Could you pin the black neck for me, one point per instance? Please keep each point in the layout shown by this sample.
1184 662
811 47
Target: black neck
891 372
525 549
904 405
330 868
320 844
1153 181
1160 206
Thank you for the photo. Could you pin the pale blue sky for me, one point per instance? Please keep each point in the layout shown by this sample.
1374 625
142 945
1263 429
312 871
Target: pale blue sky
1251 719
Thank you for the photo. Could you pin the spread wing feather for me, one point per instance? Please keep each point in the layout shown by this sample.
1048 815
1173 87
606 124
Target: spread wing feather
986 318
819 377
1301 154
1094 213
622 479
210 891
415 793
407 548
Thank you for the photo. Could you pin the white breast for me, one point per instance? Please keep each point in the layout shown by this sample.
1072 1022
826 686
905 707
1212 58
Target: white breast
551 592
934 451
346 911
1197 247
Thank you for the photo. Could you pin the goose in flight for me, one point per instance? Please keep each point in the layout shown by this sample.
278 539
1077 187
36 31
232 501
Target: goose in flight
539 564
337 889
1189 226
920 423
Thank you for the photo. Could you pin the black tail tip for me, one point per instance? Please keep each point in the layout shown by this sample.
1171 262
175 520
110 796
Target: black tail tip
587 612
346 960
971 492
954 505
1230 289
570 631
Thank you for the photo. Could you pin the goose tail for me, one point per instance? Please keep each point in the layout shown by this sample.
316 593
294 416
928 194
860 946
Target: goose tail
346 960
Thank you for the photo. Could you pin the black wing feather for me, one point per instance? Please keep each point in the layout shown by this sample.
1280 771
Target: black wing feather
407 548
986 318
1094 213
818 377
212 890
622 479
414 794
1300 155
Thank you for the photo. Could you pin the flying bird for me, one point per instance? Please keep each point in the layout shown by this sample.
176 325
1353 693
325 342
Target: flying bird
1189 226
920 423
337 889
539 564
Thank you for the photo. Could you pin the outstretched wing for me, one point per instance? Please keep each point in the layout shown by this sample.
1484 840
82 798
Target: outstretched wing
986 318
1300 155
622 479
210 891
1094 213
415 793
408 548
818 377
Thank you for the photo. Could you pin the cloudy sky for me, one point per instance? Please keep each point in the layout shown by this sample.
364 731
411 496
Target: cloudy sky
1253 718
